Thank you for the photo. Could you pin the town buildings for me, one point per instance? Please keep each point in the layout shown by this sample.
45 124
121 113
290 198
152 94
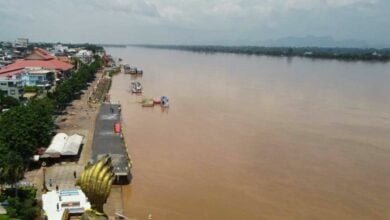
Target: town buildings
40 68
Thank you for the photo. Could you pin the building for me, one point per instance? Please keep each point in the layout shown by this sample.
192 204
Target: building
21 43
54 203
60 49
40 54
39 58
11 85
85 56
38 76
65 59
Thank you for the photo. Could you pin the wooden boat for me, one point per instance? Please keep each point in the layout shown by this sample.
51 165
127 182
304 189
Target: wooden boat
147 102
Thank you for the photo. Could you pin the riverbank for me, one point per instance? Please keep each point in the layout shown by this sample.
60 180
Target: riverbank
334 53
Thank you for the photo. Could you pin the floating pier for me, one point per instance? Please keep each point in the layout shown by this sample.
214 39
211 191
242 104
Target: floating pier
108 139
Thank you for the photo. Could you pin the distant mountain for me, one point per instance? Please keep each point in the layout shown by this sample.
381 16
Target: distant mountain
315 41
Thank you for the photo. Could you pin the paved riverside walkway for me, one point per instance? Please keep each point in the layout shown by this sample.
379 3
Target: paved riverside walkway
62 175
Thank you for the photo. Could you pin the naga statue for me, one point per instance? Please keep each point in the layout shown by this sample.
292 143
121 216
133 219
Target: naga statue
95 181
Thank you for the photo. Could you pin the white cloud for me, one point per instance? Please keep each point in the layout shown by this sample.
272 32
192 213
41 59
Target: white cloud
140 7
207 21
227 8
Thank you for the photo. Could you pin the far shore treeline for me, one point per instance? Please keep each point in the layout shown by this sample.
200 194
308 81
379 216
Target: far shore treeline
25 127
347 54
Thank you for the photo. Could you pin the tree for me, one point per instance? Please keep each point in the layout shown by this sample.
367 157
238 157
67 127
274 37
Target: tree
23 206
11 168
8 101
24 128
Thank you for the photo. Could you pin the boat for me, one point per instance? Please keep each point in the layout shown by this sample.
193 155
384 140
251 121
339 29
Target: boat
164 101
133 70
147 102
126 68
136 87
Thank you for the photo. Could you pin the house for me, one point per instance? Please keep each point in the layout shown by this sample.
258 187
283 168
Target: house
11 84
38 76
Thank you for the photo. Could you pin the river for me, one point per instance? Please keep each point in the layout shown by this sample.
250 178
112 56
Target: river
256 137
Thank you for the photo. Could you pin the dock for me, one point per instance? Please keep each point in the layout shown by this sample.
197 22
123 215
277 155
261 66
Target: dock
107 141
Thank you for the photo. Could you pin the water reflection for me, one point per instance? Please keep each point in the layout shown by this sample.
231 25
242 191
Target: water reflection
135 76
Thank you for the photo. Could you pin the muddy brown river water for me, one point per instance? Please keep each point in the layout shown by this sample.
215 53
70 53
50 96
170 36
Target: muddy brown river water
250 137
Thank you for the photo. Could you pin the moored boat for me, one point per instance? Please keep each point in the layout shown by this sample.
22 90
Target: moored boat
164 101
147 102
136 87
131 70
126 68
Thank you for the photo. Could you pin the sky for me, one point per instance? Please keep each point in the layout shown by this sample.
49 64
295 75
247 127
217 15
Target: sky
222 22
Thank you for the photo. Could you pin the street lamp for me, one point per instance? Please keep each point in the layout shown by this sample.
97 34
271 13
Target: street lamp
44 188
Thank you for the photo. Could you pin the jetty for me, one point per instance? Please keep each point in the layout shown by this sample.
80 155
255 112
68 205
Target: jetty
108 139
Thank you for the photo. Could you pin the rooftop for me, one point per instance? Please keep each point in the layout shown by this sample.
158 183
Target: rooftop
39 58
40 54
72 199
47 64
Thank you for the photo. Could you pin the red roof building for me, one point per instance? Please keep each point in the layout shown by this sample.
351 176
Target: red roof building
64 59
39 58
39 54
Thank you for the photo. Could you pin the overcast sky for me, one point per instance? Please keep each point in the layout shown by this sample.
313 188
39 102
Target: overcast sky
239 22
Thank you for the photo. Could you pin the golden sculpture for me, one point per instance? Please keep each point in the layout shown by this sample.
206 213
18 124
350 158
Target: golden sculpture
65 215
95 181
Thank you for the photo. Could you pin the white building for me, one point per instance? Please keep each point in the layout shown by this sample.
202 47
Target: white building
11 85
60 49
21 43
84 55
55 202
